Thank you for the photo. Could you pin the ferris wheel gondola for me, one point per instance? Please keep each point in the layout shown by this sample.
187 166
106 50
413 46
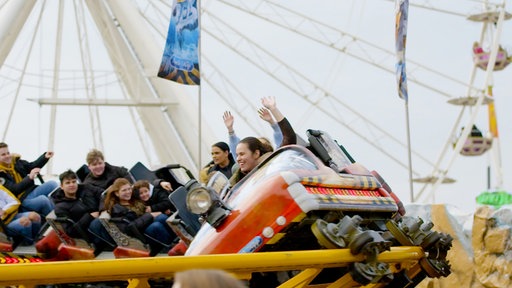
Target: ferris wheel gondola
481 57
481 54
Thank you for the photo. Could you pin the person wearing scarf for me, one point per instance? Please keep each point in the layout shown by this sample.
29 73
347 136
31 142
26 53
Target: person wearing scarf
17 175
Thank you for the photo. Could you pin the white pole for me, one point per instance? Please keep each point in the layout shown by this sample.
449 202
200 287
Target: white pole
409 149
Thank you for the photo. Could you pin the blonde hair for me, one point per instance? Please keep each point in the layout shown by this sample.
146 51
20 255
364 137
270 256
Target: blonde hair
94 155
211 278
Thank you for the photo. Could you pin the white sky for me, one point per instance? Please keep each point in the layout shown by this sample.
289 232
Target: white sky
440 41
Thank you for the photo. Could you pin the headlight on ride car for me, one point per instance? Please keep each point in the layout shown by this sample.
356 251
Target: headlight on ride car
199 200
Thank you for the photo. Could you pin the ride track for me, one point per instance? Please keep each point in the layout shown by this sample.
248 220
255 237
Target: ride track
137 271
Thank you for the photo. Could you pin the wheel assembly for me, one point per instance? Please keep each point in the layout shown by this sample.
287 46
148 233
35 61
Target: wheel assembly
325 234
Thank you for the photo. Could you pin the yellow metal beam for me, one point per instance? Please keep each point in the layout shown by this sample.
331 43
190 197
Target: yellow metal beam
141 269
302 279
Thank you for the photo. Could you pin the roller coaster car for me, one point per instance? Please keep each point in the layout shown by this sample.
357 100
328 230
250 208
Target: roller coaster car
58 245
314 197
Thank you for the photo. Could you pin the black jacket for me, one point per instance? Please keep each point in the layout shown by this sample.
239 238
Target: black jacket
23 167
159 200
78 210
122 216
108 177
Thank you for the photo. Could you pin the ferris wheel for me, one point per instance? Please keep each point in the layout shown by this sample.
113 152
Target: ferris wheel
489 56
82 74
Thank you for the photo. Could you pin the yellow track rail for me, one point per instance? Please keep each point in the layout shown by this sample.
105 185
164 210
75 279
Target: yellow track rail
138 270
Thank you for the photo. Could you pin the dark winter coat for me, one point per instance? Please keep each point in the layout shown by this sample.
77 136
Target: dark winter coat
159 200
123 216
78 210
110 174
23 167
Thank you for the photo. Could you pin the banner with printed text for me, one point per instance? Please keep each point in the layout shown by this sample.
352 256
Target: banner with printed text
180 60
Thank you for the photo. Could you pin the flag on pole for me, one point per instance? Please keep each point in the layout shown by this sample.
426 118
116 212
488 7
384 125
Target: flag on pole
180 60
402 11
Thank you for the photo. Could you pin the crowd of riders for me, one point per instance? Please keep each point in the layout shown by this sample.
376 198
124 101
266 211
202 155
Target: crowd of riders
139 208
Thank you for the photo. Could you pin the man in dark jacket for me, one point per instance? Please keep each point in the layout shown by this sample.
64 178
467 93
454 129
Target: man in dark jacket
77 202
17 175
102 174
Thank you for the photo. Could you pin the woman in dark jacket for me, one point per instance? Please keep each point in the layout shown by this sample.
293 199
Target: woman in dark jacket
156 198
222 160
127 211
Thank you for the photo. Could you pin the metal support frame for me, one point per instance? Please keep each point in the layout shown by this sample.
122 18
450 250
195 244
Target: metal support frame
138 270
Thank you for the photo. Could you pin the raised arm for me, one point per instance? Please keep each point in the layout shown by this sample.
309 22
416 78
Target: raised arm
289 136
229 120
264 114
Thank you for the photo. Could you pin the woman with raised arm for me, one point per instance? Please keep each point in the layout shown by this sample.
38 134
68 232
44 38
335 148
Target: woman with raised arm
251 151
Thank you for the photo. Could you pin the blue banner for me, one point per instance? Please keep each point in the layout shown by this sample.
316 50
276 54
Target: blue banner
402 15
180 61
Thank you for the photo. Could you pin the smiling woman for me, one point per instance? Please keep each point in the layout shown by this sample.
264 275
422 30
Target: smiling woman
90 69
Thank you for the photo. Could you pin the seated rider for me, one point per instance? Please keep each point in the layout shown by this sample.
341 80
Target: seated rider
18 175
251 151
126 211
102 174
264 114
77 202
156 199
222 160
23 227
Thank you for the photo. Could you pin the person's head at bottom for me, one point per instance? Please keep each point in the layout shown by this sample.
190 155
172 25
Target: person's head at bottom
211 278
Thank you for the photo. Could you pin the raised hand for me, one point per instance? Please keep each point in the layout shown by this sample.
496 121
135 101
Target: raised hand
48 154
228 120
269 102
264 114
